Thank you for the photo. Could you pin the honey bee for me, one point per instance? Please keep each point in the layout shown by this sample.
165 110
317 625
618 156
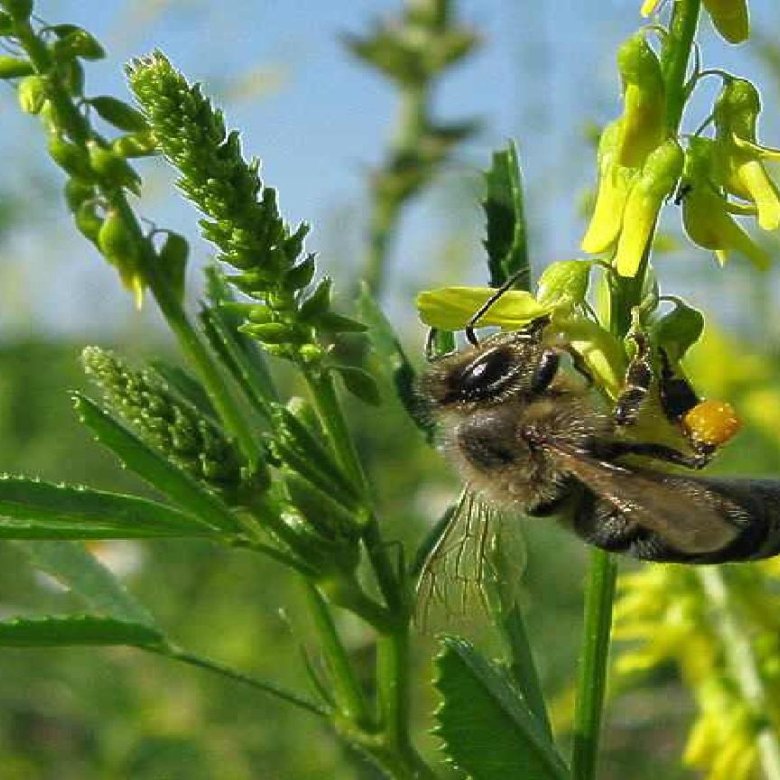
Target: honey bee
528 436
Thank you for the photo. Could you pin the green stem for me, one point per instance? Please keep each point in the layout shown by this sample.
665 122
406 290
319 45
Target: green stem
625 294
676 53
178 654
348 694
592 669
744 668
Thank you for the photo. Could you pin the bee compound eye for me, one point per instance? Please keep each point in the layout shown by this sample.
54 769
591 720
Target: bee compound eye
486 376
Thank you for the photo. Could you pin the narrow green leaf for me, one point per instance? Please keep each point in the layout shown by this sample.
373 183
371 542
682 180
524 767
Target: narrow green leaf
68 630
507 234
242 357
487 727
151 466
40 510
87 578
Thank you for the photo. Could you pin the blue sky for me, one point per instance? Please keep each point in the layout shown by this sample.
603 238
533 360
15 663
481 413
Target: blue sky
318 121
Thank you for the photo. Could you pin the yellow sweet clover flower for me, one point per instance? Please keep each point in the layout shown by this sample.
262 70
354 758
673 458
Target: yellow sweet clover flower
625 150
705 210
730 18
739 157
658 179
614 182
668 613
642 125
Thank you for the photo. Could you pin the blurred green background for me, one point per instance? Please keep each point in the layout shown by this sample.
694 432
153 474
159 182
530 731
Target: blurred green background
319 122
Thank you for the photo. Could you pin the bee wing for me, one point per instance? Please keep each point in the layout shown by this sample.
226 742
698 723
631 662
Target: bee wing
454 565
684 513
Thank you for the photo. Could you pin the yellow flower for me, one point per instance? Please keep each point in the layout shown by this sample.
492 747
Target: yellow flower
706 215
739 157
644 101
659 177
613 186
730 18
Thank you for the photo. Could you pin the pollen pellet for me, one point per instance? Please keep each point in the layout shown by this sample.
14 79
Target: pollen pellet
712 422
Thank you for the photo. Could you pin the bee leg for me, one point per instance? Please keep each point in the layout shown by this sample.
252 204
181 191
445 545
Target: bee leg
638 379
610 450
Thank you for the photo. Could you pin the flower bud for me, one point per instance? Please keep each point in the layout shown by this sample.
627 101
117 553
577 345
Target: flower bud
730 18
119 246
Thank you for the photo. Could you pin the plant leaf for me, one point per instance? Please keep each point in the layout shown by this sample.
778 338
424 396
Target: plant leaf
87 578
33 509
151 466
62 631
487 727
507 234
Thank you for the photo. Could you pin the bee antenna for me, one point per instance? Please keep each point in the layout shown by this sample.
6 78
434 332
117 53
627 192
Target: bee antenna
486 306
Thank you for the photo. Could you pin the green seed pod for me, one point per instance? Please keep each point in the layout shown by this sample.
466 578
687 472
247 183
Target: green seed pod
173 262
119 114
71 158
118 244
258 313
112 168
14 67
135 145
88 220
19 10
76 192
31 94
77 43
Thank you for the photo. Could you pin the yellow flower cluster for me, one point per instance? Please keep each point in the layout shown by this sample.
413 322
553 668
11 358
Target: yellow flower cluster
641 163
638 166
669 613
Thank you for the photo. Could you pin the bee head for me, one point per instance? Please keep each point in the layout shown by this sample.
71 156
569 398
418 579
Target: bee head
490 372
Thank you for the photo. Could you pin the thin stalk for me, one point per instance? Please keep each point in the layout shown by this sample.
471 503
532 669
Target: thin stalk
387 200
348 694
592 668
742 662
178 654
625 294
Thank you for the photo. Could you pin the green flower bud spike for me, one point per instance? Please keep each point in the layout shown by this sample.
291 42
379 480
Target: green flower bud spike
170 424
